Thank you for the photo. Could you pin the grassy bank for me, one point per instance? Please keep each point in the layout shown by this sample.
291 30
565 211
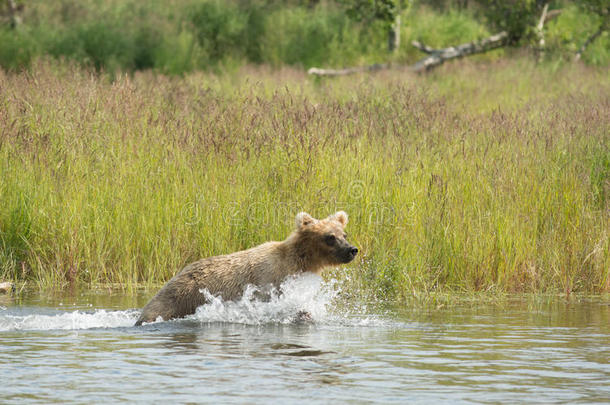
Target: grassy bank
178 37
490 177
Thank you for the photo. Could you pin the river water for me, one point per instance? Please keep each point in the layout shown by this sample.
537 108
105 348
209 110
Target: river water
81 347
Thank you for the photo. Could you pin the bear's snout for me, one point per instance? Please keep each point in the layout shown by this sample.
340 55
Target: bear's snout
349 254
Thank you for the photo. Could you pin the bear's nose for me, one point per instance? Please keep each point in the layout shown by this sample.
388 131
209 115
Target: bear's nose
354 251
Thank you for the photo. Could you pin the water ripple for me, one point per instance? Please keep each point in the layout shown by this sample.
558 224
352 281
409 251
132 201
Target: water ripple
464 355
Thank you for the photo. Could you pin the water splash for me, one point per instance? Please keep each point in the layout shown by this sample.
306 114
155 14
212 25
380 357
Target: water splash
296 294
308 294
69 320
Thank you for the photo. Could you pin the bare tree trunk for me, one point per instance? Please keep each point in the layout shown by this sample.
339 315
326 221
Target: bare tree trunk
394 35
12 15
588 42
540 34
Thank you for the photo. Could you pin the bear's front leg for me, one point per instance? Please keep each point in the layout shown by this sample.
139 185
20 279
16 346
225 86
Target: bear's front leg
303 317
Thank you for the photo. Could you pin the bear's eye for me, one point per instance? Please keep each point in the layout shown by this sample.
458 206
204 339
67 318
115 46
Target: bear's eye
330 240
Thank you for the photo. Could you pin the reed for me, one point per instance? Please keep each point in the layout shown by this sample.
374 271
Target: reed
479 177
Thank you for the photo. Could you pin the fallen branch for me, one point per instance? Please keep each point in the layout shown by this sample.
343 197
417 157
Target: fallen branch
348 71
552 14
588 42
436 56
423 48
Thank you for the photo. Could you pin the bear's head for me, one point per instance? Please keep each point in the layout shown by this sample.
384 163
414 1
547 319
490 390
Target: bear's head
323 242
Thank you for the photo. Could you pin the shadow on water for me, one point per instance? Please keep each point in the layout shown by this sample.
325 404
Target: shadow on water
235 339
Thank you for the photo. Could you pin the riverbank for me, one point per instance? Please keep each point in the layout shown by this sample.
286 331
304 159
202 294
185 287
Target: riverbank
479 177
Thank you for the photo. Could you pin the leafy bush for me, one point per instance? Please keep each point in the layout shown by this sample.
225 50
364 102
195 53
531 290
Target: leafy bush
303 37
16 48
220 29
517 17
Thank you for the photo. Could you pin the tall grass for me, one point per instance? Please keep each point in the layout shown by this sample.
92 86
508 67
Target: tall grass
483 178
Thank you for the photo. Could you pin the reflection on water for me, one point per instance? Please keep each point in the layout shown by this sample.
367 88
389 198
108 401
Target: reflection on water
556 352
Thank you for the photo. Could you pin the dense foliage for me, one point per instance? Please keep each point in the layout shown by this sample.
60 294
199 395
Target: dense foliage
185 35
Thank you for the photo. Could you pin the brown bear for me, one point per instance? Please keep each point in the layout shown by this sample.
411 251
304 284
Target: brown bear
313 245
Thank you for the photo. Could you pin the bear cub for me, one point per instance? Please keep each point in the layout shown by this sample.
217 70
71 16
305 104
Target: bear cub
314 245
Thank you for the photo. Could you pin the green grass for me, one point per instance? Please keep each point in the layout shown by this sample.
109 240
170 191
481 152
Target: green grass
478 178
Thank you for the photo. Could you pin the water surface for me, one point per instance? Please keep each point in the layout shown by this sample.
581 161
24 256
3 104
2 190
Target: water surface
82 348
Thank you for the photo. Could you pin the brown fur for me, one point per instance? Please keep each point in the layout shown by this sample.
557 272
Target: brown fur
309 248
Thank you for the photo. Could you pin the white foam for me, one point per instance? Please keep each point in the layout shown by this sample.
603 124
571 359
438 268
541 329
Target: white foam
69 320
297 294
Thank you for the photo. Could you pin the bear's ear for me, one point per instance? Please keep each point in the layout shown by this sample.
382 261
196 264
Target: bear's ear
304 219
341 217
